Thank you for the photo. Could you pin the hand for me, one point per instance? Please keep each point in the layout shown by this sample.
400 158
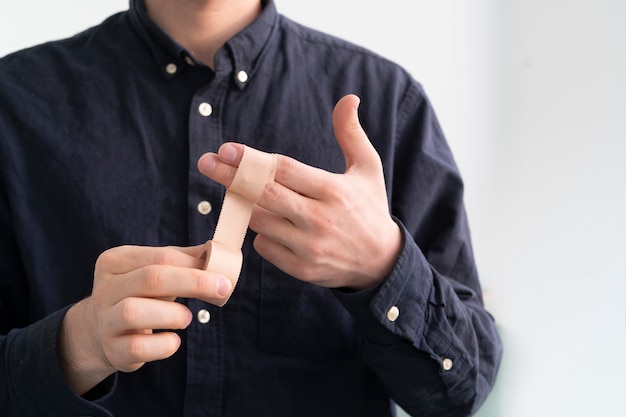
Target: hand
133 294
333 230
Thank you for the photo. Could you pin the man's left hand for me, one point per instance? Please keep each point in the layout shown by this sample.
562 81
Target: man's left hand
332 230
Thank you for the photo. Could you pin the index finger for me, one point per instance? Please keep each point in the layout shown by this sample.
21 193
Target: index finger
290 173
166 281
123 259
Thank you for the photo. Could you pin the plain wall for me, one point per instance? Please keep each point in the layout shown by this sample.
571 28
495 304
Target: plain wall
532 97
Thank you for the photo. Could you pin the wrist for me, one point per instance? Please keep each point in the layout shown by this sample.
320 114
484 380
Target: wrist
384 260
82 360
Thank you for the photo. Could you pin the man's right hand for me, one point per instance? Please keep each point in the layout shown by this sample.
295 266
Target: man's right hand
134 293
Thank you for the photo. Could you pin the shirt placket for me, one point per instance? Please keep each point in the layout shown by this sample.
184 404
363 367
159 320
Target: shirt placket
205 355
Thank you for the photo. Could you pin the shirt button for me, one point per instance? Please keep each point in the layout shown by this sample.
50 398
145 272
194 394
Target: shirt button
204 207
393 313
204 316
242 76
447 364
171 68
205 109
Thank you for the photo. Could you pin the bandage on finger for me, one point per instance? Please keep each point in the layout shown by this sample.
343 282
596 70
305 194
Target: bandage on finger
223 253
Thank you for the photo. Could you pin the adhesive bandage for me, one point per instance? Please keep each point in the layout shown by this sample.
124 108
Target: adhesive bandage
223 252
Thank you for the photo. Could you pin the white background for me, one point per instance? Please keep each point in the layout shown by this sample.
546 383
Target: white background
532 97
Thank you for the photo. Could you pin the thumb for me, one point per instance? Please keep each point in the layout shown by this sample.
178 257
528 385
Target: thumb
357 149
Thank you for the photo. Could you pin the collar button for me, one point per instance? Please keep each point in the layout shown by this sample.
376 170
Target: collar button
242 76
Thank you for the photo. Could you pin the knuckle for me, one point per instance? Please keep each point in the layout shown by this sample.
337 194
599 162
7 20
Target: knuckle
165 256
200 282
316 253
341 194
136 350
284 166
272 192
129 311
107 259
153 277
98 295
324 224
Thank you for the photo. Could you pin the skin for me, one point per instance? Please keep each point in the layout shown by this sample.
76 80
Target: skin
332 230
203 26
133 293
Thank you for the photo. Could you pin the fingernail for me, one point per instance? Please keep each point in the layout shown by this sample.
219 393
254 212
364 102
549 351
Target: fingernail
206 163
223 287
228 153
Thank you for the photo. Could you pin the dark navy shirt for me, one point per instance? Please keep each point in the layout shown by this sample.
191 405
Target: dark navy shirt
99 140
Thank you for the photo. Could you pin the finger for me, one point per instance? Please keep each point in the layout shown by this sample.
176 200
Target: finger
275 253
291 263
214 168
273 225
285 203
358 151
122 259
135 313
221 167
193 251
129 352
231 153
300 178
161 281
294 175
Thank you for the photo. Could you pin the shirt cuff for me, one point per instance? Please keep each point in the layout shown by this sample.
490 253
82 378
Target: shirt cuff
35 376
396 308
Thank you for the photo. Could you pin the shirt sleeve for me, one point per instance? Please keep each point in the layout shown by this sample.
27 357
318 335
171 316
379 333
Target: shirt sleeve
425 330
435 352
31 378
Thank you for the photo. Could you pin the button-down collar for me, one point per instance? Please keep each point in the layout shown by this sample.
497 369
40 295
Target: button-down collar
170 57
241 54
247 46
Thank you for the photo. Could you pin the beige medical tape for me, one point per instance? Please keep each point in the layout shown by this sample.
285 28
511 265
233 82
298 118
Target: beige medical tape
223 252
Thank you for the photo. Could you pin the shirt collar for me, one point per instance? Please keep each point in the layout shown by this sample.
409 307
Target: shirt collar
240 53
